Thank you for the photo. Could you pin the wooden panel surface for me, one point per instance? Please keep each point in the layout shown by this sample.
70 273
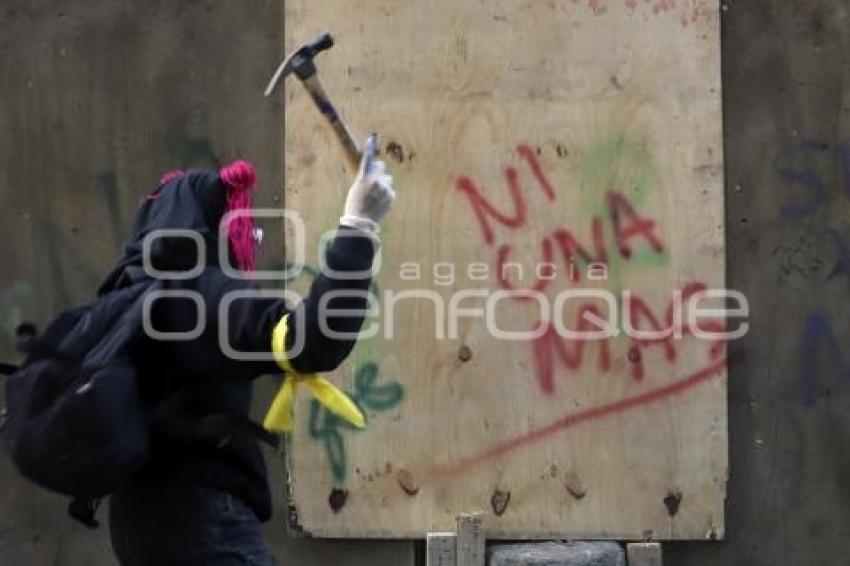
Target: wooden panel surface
548 145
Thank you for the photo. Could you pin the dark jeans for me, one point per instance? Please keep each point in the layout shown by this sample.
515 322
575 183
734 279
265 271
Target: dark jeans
184 525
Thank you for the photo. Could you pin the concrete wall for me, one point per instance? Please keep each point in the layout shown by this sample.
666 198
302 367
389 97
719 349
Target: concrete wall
786 133
97 100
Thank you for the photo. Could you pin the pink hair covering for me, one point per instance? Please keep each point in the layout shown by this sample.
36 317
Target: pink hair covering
240 177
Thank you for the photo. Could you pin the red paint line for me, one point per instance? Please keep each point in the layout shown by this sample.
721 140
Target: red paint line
570 420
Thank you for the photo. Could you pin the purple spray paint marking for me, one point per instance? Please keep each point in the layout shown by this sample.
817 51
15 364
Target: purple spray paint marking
819 332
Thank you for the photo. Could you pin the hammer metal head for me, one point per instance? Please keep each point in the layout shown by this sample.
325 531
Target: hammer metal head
300 61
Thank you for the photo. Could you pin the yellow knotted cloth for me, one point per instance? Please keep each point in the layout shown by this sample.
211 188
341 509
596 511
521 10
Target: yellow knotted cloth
280 416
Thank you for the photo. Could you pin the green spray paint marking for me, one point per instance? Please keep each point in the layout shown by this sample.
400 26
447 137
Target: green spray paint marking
622 164
327 428
618 163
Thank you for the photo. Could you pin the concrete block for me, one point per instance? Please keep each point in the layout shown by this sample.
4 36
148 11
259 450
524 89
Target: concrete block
644 553
557 554
441 549
470 540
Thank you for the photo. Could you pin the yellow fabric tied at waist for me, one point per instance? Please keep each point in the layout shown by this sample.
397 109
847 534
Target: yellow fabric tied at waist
280 416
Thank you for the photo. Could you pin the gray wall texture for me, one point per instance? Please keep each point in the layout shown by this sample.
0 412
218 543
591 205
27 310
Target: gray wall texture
98 98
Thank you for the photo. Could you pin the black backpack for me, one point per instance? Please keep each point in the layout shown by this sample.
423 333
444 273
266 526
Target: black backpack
75 422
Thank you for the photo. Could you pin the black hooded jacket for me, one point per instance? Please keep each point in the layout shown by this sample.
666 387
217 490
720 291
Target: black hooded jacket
212 382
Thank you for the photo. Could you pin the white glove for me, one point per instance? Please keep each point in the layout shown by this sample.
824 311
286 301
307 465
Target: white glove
371 195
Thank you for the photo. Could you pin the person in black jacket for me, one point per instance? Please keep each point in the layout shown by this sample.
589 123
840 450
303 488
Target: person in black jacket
200 499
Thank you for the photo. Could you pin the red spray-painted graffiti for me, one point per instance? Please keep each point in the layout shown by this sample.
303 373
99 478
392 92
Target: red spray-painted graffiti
630 229
627 224
570 353
676 387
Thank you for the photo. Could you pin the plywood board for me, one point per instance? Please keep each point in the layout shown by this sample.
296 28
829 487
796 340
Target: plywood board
547 145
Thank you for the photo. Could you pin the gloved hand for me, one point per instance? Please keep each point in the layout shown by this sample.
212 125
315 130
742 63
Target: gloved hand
371 195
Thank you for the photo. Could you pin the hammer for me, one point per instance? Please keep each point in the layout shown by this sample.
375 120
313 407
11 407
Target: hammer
301 62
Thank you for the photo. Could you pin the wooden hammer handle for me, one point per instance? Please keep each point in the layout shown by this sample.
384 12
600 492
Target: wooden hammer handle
317 92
